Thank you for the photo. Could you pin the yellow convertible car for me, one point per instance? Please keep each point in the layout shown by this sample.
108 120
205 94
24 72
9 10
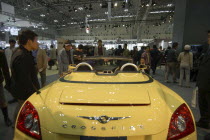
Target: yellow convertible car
105 98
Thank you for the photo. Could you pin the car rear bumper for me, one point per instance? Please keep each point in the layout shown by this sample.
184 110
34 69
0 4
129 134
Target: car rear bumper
47 135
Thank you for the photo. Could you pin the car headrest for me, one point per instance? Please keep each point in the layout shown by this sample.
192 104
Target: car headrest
83 67
128 67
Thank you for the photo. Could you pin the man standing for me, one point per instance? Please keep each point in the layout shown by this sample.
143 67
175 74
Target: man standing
203 83
53 56
4 74
100 50
66 58
171 62
78 55
155 55
24 81
9 51
146 59
126 52
41 64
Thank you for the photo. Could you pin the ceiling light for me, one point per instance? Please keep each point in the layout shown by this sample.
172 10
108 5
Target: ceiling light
106 13
55 20
80 8
75 10
169 5
147 5
126 10
157 12
100 4
88 15
154 3
63 25
115 4
42 15
28 3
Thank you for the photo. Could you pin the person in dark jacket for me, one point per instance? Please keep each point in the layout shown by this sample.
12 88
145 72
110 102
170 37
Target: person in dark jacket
139 54
4 74
171 62
24 81
155 57
203 83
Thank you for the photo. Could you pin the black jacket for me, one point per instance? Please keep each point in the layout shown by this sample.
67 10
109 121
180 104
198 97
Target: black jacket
24 81
4 70
203 78
171 56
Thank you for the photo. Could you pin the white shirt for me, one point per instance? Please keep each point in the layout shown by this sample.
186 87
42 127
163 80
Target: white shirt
8 54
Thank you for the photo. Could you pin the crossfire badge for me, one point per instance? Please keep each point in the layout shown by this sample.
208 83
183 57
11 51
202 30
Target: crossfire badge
104 119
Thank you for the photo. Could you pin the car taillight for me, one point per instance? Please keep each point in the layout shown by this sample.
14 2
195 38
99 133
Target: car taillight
181 123
28 121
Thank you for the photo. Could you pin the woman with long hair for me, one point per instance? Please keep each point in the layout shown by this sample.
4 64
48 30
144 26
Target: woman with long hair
186 64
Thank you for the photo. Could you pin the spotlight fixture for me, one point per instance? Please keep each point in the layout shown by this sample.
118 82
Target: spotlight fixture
74 9
28 3
85 7
8 20
14 19
42 15
126 10
123 5
154 3
90 7
147 4
80 8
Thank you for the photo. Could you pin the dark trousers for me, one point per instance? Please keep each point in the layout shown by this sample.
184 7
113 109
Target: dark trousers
153 66
3 102
204 105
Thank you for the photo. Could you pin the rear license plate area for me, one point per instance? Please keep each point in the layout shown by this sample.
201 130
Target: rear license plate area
102 138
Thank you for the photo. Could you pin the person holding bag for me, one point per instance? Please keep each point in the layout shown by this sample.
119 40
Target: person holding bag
186 64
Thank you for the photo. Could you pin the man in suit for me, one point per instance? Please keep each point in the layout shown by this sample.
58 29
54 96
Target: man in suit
4 75
66 58
203 83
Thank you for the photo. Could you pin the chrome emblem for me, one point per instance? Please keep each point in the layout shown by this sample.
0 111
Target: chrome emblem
103 119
